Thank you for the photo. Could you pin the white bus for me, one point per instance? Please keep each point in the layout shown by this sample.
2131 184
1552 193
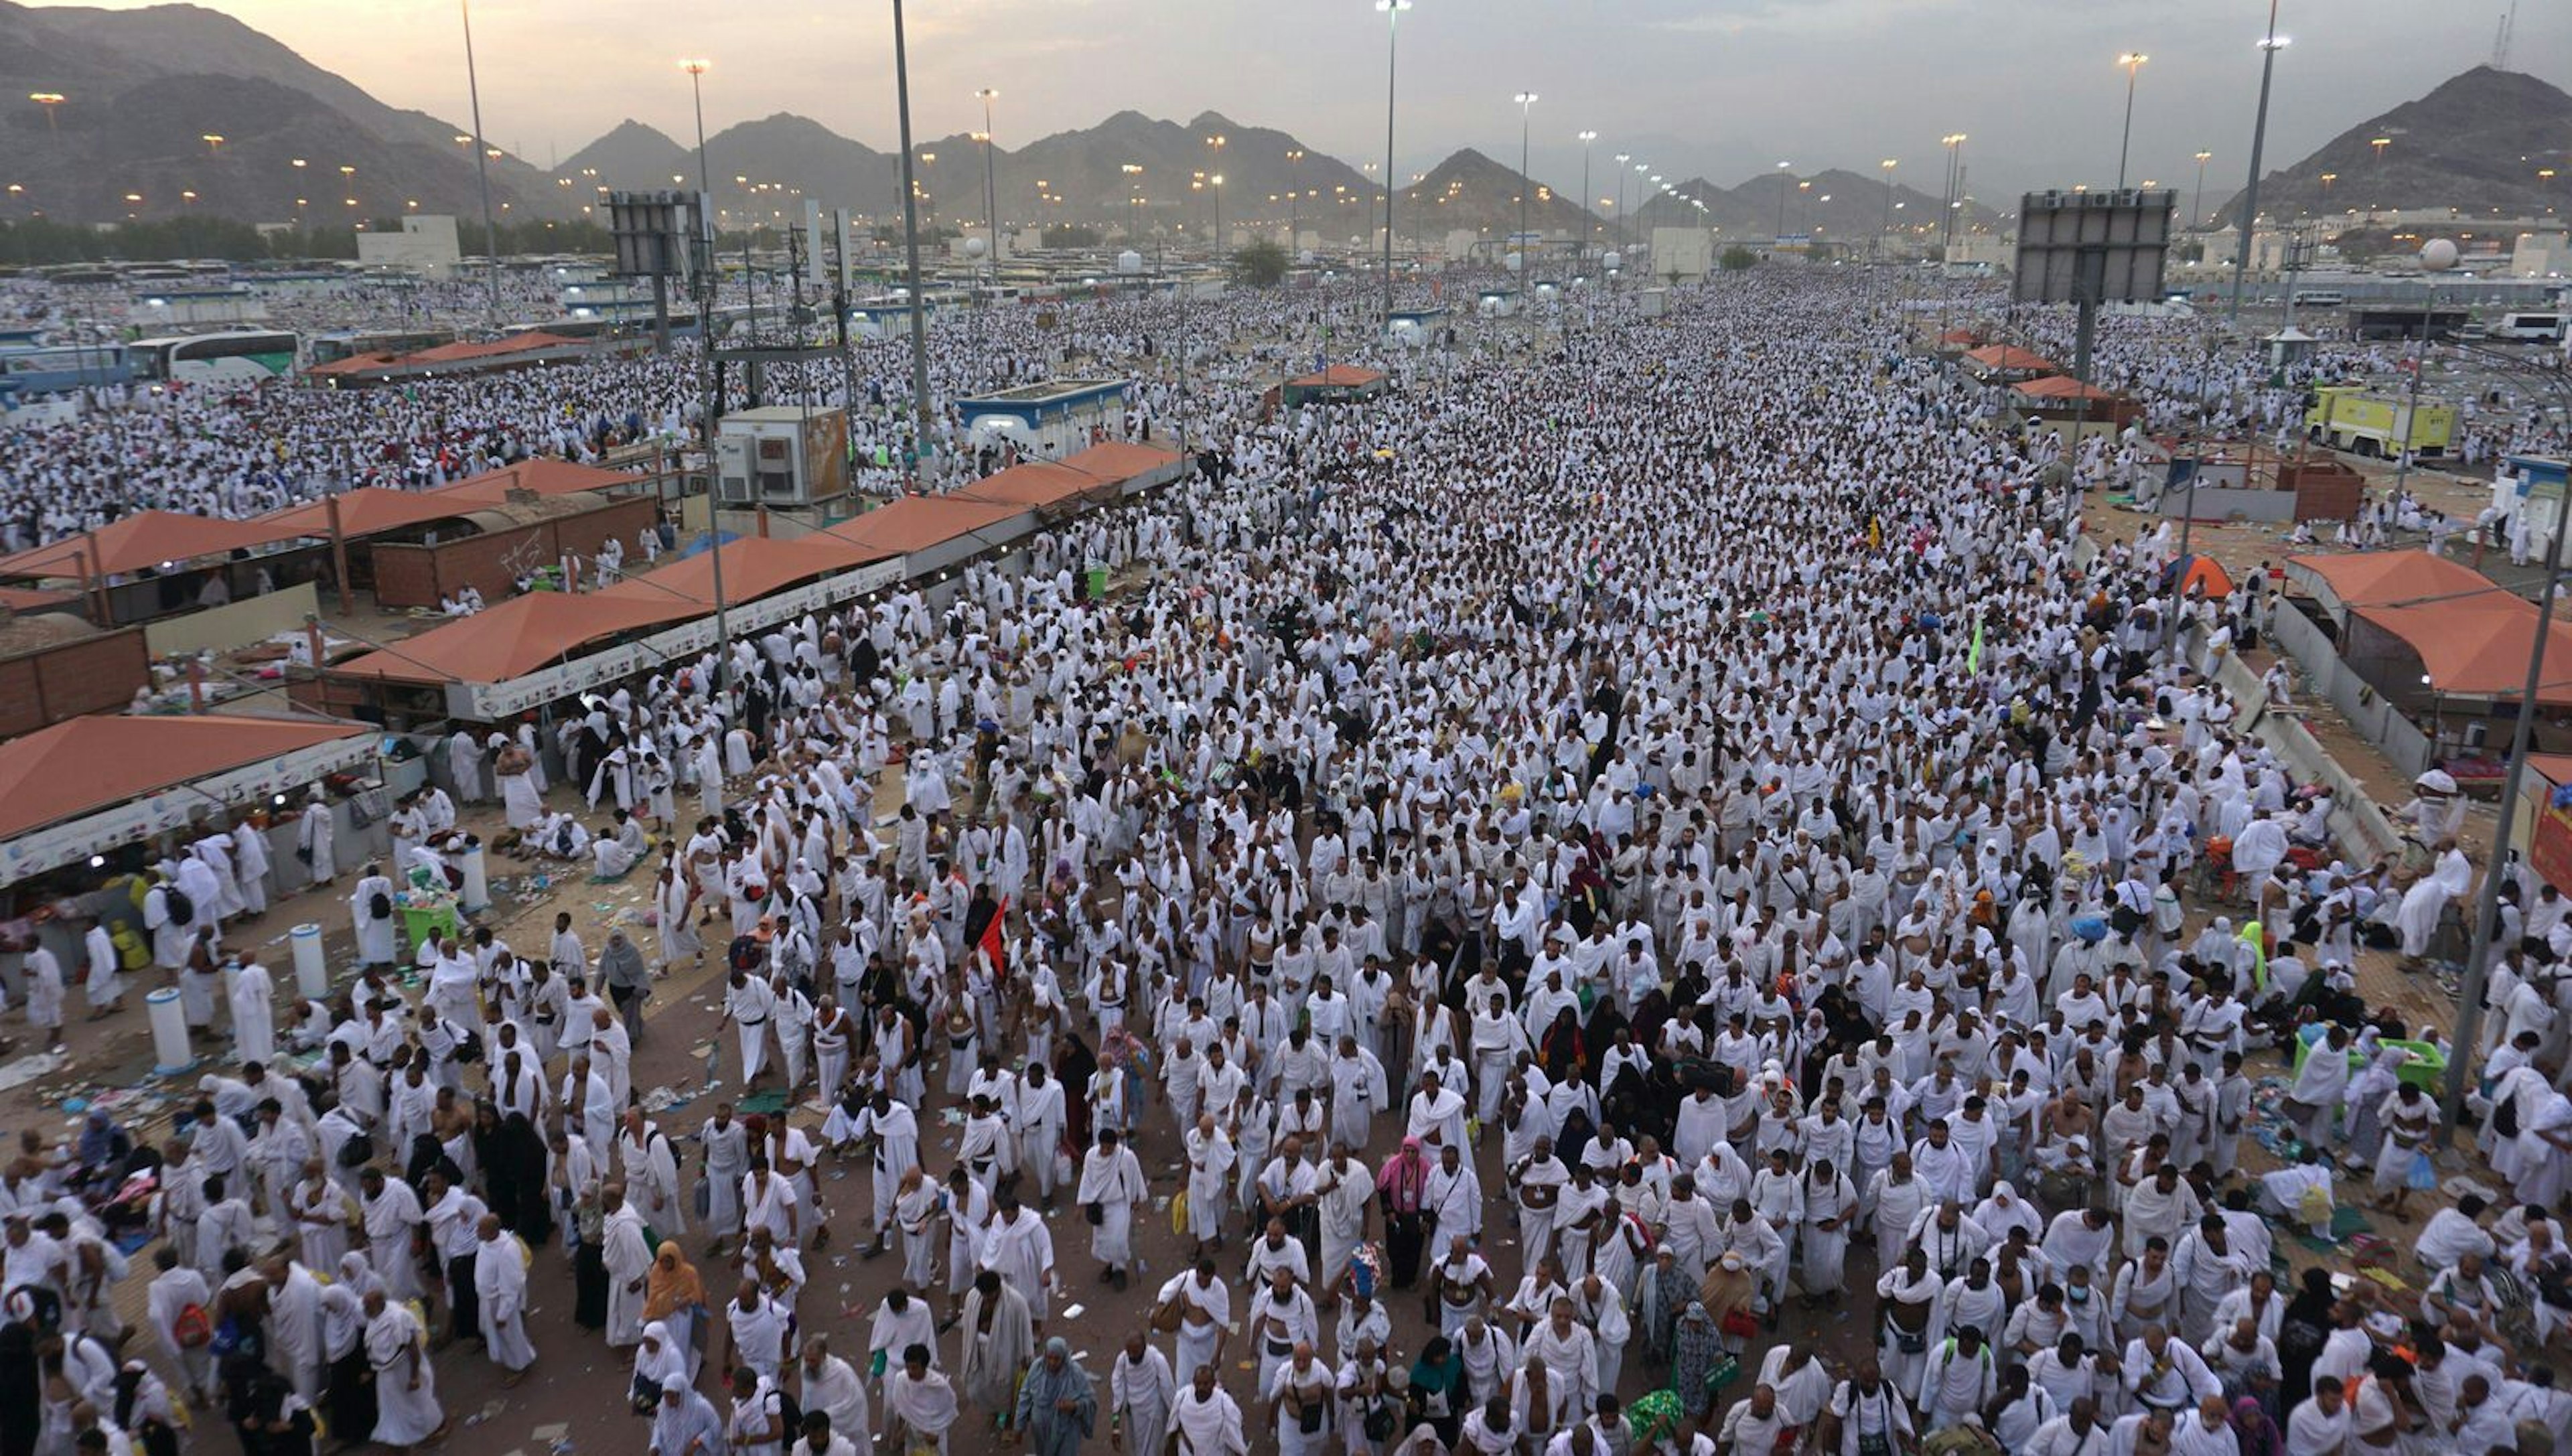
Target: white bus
236 356
2529 328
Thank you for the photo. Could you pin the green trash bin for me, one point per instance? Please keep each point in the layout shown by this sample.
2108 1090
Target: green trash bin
1094 581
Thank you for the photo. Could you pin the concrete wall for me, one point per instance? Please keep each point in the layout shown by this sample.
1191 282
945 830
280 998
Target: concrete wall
410 575
223 628
2357 819
90 675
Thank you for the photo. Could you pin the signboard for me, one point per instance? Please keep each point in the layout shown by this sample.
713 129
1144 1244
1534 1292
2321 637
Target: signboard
651 231
2092 246
490 702
2549 848
76 839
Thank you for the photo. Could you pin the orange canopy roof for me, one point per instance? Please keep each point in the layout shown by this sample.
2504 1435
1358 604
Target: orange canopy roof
92 763
753 566
542 475
1119 461
2061 387
371 509
2008 356
916 522
2477 646
516 637
461 351
1035 486
2387 579
1339 376
141 541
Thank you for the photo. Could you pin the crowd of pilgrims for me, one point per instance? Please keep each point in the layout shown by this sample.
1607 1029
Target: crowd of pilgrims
1651 894
238 450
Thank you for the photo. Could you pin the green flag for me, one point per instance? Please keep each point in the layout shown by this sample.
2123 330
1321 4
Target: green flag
1974 659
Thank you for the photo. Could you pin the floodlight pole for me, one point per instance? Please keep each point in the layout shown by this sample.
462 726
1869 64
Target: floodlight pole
911 245
2250 217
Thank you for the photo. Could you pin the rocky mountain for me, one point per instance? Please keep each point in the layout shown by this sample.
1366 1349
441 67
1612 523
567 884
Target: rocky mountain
143 87
2475 143
1085 169
1841 205
633 157
1470 192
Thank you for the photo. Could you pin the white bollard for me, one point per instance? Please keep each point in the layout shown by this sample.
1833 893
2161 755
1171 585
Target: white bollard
312 972
168 1033
477 881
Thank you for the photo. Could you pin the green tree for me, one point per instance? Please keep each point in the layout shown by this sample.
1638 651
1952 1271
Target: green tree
1070 235
1736 258
1261 264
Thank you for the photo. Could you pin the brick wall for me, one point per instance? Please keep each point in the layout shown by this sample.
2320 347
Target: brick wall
93 675
418 576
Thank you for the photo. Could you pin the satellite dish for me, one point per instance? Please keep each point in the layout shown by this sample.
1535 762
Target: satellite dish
2437 255
1129 261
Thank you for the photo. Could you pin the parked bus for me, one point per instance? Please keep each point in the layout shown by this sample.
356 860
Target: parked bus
332 348
238 357
59 368
2529 328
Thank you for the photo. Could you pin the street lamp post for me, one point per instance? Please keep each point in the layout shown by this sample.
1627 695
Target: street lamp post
1526 107
482 160
2133 61
1953 141
911 241
1134 198
1882 234
1392 31
1621 159
1589 229
2197 205
1294 211
1214 184
1786 175
2250 217
48 100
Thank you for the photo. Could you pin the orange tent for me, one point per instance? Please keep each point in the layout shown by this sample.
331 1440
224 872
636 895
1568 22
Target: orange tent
516 637
2204 571
2477 646
140 542
753 567
94 763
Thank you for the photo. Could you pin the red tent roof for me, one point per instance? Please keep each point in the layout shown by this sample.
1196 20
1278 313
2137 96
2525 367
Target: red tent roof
461 351
2388 578
917 522
1116 461
2007 356
93 763
2477 646
753 566
542 475
1035 486
371 509
2061 387
141 541
516 637
1340 375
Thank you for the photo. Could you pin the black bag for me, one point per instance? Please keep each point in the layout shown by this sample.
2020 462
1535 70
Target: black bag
790 1411
1097 1213
379 906
2505 1117
1378 1422
182 908
357 1151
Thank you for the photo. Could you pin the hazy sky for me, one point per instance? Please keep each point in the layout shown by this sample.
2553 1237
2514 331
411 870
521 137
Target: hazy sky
1722 87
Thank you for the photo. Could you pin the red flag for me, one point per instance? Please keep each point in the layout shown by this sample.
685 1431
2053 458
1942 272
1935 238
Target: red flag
992 943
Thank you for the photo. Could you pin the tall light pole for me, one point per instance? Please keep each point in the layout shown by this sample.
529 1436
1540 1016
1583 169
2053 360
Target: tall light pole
2133 61
1294 212
1589 229
707 289
1953 141
1392 35
990 187
1886 231
910 244
1134 173
1621 159
1786 175
1526 107
2197 205
1214 184
482 160
48 100
2249 219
